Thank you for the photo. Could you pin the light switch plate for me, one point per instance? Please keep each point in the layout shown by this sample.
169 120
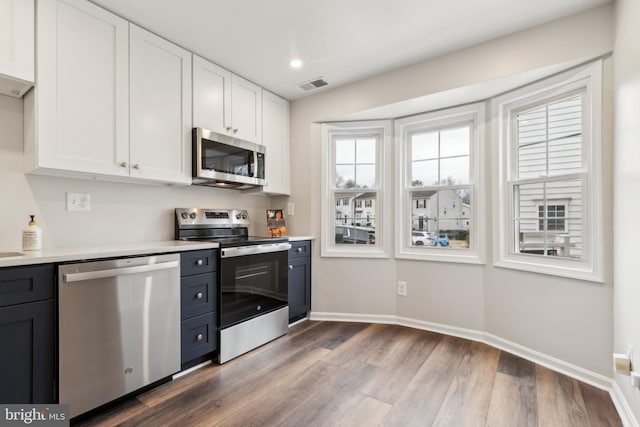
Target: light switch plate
78 201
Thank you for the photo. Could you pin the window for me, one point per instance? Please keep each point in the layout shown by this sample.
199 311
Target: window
355 164
548 148
554 219
439 180
549 180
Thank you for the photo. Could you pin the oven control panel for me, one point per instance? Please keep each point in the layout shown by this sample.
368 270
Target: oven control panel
212 217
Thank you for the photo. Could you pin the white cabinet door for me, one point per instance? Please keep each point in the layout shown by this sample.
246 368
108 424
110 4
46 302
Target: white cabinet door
275 136
246 110
79 119
160 99
211 96
226 103
17 46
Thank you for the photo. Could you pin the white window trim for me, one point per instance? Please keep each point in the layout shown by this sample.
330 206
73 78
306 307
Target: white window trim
382 246
403 249
590 268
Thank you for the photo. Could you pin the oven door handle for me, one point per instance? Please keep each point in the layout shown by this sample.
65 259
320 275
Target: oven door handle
254 249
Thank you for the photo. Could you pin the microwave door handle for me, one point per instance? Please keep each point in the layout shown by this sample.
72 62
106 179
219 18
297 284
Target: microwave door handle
255 164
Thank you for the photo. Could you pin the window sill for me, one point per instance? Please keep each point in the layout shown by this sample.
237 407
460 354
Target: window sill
355 253
441 255
581 271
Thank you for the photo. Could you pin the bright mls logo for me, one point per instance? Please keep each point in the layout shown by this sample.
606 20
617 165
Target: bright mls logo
37 415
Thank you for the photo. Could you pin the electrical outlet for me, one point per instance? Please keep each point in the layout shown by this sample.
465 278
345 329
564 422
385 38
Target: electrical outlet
402 289
78 201
290 208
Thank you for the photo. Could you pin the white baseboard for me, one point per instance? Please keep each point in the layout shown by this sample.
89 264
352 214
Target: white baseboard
622 405
191 369
569 369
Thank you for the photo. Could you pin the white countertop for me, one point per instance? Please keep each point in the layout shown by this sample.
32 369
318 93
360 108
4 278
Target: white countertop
78 253
106 251
299 238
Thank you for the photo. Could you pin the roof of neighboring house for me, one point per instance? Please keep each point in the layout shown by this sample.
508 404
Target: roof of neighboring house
364 195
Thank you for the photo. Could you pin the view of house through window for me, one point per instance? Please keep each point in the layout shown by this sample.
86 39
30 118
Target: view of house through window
355 189
440 188
548 182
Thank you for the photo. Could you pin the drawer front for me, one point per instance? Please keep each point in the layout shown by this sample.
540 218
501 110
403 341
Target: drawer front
26 284
196 262
300 249
198 336
198 295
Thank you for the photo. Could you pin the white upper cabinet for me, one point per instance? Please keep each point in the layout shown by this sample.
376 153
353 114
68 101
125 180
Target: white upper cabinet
77 118
275 136
226 103
246 110
160 108
104 107
17 46
211 96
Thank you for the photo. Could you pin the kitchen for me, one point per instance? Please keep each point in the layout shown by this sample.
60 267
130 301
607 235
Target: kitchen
464 298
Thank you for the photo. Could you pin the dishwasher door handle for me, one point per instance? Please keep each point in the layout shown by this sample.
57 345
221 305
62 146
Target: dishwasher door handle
121 271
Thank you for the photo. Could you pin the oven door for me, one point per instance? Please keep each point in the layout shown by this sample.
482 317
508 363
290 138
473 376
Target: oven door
253 281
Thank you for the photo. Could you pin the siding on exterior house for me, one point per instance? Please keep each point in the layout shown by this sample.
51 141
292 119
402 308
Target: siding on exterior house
356 209
439 210
550 144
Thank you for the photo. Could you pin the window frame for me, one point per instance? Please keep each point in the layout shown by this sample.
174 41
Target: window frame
382 130
588 80
475 115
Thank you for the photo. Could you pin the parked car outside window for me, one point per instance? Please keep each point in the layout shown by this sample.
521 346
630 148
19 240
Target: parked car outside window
428 238
441 240
421 238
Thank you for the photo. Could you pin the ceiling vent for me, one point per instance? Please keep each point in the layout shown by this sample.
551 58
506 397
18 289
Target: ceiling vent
313 84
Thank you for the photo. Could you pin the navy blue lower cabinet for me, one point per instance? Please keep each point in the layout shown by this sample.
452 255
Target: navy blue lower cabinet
299 280
27 335
198 306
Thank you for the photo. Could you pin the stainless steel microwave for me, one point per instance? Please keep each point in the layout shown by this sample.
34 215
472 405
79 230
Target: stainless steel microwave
224 161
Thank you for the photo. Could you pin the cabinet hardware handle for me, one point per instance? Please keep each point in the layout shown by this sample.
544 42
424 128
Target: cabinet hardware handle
199 295
299 250
290 267
235 130
199 337
136 166
199 262
229 128
123 164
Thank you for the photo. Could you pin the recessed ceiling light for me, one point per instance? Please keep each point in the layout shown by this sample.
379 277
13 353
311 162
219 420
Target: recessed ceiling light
296 63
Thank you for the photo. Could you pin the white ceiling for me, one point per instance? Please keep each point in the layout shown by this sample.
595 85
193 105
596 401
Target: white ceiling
340 40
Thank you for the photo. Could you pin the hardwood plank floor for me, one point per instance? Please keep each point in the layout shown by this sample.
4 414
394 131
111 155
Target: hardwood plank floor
357 374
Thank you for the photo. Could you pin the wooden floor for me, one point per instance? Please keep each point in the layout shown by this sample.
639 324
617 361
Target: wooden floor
357 374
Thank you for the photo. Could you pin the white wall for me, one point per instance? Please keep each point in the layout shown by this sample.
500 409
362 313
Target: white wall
120 212
563 318
626 194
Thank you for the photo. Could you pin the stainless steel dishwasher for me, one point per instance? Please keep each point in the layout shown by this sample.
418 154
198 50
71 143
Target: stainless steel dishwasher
119 327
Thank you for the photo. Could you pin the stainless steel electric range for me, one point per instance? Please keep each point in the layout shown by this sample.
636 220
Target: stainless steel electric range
252 277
